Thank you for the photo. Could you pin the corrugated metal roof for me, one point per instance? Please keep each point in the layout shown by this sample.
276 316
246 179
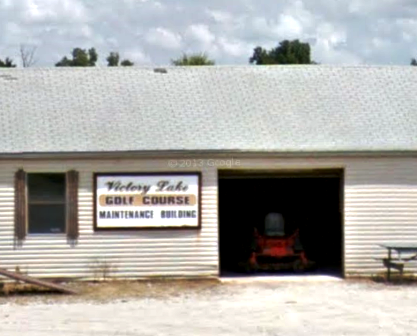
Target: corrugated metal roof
243 108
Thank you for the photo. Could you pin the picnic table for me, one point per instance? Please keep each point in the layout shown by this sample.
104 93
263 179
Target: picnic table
399 261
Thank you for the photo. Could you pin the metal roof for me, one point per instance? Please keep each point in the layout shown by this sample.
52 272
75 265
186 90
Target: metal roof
286 109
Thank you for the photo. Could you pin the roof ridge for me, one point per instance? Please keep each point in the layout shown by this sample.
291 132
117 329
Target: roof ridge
212 67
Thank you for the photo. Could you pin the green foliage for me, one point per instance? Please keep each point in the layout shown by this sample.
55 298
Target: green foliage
7 63
193 59
126 62
287 52
413 62
93 57
113 60
80 58
64 62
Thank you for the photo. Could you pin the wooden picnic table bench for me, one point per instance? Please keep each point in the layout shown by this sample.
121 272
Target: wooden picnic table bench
399 261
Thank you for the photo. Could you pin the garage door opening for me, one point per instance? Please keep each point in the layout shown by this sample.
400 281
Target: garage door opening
308 205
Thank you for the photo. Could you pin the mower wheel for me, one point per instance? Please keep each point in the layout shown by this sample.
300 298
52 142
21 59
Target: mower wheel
298 266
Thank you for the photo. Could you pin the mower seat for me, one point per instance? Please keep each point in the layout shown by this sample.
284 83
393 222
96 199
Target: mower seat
274 225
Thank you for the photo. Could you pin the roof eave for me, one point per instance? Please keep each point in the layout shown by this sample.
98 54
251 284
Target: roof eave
158 154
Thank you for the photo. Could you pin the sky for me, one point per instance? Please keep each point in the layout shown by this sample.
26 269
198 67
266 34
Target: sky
153 32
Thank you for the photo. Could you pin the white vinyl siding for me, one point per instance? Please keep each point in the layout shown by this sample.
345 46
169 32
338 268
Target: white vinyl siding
132 254
380 205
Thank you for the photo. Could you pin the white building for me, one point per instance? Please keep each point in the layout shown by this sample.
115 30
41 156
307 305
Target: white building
82 151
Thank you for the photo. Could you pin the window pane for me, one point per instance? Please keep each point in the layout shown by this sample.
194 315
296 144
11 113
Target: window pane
46 187
49 218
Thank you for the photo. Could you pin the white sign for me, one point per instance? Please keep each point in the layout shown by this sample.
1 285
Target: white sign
147 201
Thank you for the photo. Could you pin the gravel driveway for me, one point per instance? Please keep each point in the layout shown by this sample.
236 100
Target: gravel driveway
267 308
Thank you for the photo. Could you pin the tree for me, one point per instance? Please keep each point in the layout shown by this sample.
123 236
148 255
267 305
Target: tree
93 57
126 62
193 59
80 58
113 60
27 55
413 62
7 63
287 52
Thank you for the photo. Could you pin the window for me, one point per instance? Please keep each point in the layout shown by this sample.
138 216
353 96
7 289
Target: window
46 203
46 194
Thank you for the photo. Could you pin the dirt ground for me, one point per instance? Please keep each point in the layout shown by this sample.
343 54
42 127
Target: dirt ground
213 308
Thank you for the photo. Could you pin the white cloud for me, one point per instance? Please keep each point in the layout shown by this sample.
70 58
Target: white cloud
137 56
219 16
52 10
330 34
163 38
155 31
408 29
262 27
234 48
86 31
159 5
6 4
379 43
289 26
201 33
380 7
327 55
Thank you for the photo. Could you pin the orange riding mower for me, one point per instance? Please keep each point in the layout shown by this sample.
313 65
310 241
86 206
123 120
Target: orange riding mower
274 250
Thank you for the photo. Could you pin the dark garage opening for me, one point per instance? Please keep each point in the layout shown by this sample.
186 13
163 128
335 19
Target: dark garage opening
310 202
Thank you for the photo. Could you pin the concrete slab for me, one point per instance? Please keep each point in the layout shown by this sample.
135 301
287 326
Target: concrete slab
285 278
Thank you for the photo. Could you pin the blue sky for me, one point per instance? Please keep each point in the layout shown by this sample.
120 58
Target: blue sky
152 32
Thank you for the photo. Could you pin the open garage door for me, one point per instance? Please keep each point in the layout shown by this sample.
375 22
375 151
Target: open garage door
306 206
